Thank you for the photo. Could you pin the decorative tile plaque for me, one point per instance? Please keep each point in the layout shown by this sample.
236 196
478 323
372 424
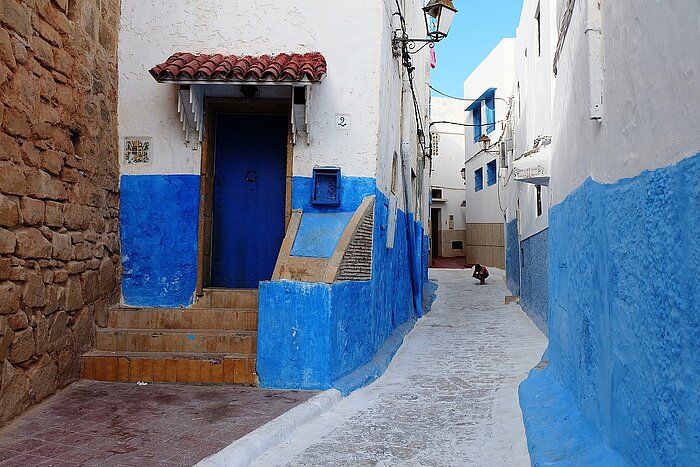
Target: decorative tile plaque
137 150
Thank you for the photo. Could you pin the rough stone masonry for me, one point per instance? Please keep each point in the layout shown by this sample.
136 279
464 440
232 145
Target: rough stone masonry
59 218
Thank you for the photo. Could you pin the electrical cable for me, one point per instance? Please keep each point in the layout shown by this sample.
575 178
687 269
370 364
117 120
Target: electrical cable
466 99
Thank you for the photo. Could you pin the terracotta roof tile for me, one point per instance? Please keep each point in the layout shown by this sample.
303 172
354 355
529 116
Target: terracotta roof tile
184 66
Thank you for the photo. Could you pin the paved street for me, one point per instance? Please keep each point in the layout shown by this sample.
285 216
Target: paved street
449 398
121 424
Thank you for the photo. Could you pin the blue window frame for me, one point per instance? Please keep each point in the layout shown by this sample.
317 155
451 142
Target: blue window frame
487 100
491 173
476 119
479 179
491 112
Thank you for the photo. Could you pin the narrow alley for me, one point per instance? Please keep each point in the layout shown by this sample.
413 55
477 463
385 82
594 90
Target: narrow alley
449 396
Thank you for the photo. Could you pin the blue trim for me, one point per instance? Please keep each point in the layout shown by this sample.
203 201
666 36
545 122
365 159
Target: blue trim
479 179
491 112
487 93
476 121
491 177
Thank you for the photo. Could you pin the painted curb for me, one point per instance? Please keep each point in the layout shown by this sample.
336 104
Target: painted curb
369 372
244 451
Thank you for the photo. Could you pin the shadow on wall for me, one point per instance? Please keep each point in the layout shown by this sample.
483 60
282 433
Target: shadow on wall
512 258
534 293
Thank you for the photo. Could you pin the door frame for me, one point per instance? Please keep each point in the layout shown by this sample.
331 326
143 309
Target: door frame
212 108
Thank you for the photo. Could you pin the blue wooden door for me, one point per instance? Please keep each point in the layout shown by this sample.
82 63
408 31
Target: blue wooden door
249 198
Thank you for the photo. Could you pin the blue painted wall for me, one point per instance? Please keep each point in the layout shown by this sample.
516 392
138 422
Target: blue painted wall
624 328
159 239
512 258
319 233
534 294
352 191
353 320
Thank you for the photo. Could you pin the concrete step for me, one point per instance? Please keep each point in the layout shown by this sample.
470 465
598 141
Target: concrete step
177 340
169 367
184 318
228 298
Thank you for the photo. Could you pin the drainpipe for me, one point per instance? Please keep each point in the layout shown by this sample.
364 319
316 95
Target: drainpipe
594 38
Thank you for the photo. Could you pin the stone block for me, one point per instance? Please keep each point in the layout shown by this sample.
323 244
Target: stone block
62 246
32 244
8 241
41 333
54 214
41 185
5 268
84 329
18 321
82 251
9 212
68 367
12 180
34 291
6 54
75 267
52 294
9 298
32 211
22 347
43 52
76 217
90 286
52 161
16 123
108 278
60 276
59 334
16 17
74 294
14 392
6 336
42 377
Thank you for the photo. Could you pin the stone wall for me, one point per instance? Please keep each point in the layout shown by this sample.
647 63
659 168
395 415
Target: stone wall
59 240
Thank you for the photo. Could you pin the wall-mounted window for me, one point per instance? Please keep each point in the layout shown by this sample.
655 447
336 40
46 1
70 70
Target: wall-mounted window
491 173
476 121
538 191
458 245
436 193
479 179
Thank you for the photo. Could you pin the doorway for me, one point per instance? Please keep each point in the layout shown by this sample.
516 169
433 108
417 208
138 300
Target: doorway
435 231
249 198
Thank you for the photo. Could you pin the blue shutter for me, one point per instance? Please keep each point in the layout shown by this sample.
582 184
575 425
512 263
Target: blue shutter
479 179
476 114
491 173
490 113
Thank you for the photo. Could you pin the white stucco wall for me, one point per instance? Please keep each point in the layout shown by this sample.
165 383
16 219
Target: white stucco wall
533 91
348 38
449 160
496 71
650 93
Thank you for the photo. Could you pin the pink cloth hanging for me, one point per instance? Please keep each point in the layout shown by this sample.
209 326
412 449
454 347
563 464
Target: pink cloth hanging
433 57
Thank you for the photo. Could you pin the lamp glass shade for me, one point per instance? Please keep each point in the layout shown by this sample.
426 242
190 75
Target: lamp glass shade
485 142
439 15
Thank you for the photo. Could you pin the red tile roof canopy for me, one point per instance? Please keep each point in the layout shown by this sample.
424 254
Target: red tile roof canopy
183 66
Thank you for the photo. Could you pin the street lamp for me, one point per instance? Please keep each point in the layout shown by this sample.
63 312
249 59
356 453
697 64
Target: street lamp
439 15
485 142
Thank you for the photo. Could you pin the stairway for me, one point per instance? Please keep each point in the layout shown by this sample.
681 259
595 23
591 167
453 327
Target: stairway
213 342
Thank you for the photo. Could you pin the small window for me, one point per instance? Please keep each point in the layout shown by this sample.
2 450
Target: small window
479 179
436 193
457 245
491 173
538 190
476 118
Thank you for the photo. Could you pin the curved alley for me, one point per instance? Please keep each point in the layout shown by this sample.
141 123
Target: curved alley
449 397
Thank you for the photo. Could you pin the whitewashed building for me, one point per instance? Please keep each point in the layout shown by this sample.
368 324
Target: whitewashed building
448 203
621 381
525 182
273 161
487 91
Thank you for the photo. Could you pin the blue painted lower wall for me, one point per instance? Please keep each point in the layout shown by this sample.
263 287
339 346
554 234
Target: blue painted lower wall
534 278
513 257
159 227
352 321
624 327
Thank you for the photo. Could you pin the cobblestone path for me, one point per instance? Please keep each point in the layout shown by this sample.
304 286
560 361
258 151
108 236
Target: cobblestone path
449 398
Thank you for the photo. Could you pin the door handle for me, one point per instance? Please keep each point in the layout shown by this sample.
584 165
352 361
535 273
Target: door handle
251 176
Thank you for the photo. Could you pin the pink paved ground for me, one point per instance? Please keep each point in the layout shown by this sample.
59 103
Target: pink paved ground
121 424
